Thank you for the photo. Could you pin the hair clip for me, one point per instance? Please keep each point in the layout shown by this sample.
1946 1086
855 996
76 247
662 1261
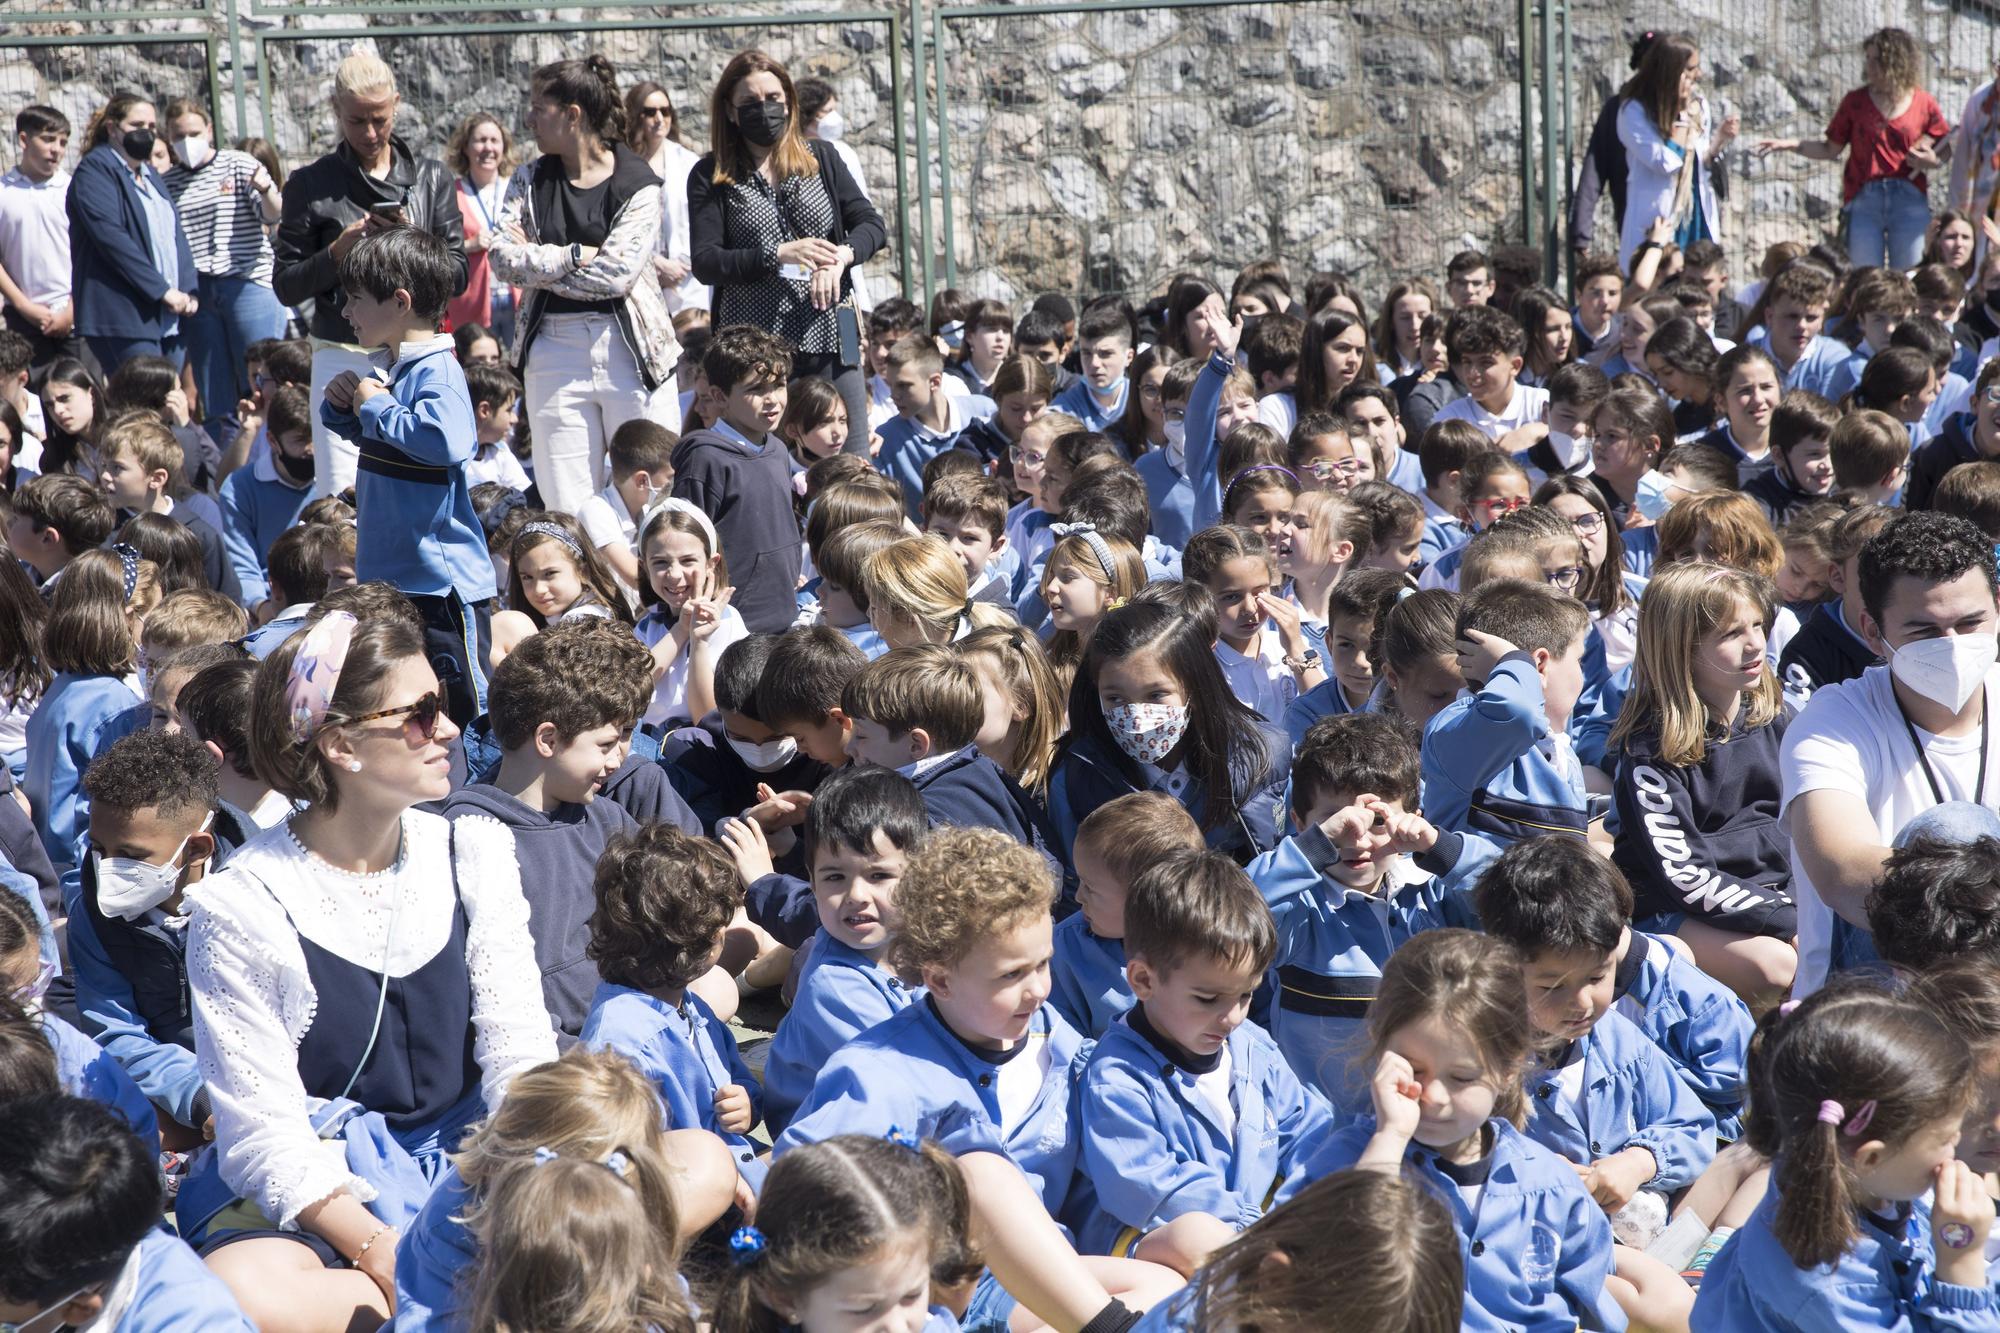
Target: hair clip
1786 1009
543 1156
315 673
903 1138
746 1246
128 564
554 533
1116 603
619 1165
1864 1115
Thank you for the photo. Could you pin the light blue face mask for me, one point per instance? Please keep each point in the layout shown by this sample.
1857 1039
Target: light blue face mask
1650 495
34 1323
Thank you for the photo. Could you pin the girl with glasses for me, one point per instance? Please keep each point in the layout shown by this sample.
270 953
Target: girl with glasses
1606 587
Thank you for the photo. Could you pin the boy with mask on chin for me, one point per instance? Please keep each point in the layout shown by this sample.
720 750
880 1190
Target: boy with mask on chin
1905 749
726 763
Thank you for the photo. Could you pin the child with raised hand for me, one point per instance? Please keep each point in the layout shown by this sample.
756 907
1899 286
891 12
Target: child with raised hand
690 623
1169 1084
719 763
1415 650
1697 784
554 575
860 831
663 902
1215 404
858 1232
1858 1097
1114 845
1448 1038
1087 574
1262 643
1023 698
1354 611
1365 872
587 1107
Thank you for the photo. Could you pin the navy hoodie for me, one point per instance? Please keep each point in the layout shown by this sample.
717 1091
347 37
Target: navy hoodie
642 787
1824 652
716 783
557 853
748 493
968 790
1776 496
1936 456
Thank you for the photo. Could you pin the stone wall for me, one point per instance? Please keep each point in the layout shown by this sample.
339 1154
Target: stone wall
1102 151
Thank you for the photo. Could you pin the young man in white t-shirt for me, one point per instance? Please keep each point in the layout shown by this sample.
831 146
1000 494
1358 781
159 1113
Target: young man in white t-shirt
1484 347
1903 740
34 236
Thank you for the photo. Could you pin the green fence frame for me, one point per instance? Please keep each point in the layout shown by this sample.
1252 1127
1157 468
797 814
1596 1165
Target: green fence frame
209 41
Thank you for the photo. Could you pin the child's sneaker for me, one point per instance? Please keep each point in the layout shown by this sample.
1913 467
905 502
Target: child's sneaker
1699 1264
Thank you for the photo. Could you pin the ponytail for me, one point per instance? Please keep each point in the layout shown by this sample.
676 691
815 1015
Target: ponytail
591 86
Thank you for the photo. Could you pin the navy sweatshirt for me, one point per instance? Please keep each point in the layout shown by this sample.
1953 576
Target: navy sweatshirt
1824 652
715 782
1776 496
1706 841
968 790
642 787
1936 456
748 494
557 853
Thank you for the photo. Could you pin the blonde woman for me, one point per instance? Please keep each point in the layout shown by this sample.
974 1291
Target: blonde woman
917 593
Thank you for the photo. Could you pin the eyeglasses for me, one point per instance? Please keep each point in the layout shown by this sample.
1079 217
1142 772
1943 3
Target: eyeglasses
420 719
1587 523
1503 505
1567 578
1031 460
1150 392
1325 469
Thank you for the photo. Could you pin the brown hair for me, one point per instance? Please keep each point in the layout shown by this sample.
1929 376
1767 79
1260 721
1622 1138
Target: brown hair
1472 984
297 769
599 583
969 498
963 886
190 617
803 678
1865 447
1192 903
731 159
89 631
926 686
856 500
845 555
635 105
663 898
1738 533
297 562
577 676
1136 830
454 151
1530 615
1972 492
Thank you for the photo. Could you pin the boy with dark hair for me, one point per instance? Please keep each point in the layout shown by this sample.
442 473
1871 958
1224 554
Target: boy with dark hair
564 703
1600 290
1971 491
739 473
17 361
1271 353
215 711
1374 420
158 826
34 238
928 419
411 421
1514 267
496 406
888 324
261 501
1484 347
1937 900
800 692
1040 334
718 764
1705 264
1104 353
640 459
1801 468
1169 1084
1574 390
299 574
55 519
1964 439
1443 452
1468 279
1604 1096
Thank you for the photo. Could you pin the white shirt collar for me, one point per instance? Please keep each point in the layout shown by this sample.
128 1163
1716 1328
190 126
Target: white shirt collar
391 360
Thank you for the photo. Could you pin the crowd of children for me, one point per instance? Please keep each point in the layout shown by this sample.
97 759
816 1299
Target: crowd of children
1256 811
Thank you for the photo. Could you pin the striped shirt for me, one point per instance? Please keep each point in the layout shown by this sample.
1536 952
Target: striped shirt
223 217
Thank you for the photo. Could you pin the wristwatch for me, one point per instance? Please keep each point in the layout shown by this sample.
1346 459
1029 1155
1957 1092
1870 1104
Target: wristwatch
1310 662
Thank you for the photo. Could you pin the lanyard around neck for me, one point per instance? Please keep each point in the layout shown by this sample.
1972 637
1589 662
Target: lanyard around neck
1985 738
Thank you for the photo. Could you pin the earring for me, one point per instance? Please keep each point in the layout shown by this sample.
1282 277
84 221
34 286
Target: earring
354 765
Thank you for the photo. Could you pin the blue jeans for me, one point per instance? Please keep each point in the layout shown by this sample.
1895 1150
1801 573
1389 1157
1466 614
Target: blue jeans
112 353
234 313
1885 225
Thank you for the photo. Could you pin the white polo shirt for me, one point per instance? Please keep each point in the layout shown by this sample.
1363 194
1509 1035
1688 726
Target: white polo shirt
1525 406
34 235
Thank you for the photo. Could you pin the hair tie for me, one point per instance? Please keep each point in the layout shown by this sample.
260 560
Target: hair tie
746 1246
1261 467
619 1165
555 533
1863 1117
1786 1009
497 512
1831 1112
315 673
128 564
902 1138
1405 592
674 504
1088 532
543 1156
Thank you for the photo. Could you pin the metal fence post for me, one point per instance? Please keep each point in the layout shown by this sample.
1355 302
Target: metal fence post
1527 151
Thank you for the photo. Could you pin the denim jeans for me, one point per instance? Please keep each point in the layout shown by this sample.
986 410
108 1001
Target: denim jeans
1885 225
234 313
113 352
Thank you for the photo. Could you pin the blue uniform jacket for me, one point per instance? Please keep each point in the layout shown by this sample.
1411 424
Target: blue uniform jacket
1698 1023
418 529
1486 766
1204 401
1323 700
1632 1098
714 780
1079 402
1170 495
62 736
114 282
1442 533
908 444
86 1069
1816 367
968 790
841 994
1333 942
1155 1150
913 1073
1087 977
687 1054
1090 772
1884 1282
257 506
1537 1248
176 1292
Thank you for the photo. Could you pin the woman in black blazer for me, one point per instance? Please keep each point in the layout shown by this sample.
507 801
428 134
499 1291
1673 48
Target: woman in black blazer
776 223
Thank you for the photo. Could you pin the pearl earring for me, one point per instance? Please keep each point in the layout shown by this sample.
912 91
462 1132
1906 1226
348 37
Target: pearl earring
354 765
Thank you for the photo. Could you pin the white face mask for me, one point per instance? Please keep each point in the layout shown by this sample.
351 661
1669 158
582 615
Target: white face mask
192 151
1945 670
831 127
128 889
1176 433
1568 448
766 758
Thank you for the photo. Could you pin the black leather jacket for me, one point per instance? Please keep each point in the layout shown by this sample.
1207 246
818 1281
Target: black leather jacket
323 197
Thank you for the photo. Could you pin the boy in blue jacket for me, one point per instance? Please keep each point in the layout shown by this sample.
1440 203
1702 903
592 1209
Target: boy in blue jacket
664 900
1365 874
1104 351
928 420
1115 842
1602 1095
412 420
262 499
718 764
1499 761
1191 1117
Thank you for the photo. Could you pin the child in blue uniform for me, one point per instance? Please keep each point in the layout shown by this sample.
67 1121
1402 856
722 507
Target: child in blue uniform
81 1243
1191 1117
1352 886
1448 1038
1114 844
1869 1222
856 1232
863 825
663 902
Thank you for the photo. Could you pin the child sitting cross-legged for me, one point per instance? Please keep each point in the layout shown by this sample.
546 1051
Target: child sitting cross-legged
1365 873
1191 1116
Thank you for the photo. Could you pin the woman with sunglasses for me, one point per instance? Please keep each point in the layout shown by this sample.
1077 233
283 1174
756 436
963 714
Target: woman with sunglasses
654 128
363 950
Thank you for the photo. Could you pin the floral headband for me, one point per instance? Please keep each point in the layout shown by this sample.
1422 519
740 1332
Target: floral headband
315 674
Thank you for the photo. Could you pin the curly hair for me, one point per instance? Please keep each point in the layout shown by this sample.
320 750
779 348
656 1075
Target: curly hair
578 675
1929 547
662 900
1935 902
170 771
967 884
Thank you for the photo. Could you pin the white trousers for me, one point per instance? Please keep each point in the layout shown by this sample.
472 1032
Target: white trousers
581 386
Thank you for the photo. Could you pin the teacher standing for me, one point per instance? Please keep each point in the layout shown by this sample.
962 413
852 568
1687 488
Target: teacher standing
778 222
371 179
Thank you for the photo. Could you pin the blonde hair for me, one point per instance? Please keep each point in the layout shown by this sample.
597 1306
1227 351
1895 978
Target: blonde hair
190 617
362 73
147 439
964 886
919 580
1137 830
1738 533
1325 519
1125 577
1037 690
1682 605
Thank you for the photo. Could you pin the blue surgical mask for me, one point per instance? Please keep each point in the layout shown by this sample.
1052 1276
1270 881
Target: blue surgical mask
1650 495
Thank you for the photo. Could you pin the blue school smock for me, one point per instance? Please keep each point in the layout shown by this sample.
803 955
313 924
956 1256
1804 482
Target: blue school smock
87 1070
1698 1023
1815 368
1081 403
1087 982
1169 494
1537 1248
434 1252
841 993
1089 772
61 736
1632 1098
1488 762
687 1055
1442 532
1155 1150
1886 1281
914 1074
1204 401
176 1293
1325 699
1333 942
908 444
257 506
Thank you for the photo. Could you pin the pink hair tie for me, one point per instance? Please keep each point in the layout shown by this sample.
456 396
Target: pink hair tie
315 674
1831 1113
1785 1009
